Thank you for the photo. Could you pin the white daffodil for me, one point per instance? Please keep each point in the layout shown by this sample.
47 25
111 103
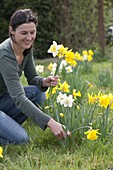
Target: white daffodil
39 68
60 98
68 69
85 57
68 101
53 68
54 49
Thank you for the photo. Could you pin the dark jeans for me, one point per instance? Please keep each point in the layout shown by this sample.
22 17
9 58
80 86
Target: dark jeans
11 118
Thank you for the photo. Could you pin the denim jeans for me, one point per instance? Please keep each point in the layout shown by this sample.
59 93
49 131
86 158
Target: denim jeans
11 118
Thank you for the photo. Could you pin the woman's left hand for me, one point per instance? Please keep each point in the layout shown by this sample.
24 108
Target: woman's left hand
50 81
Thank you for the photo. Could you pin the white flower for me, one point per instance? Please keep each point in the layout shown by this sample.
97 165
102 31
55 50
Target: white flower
63 64
39 68
54 49
60 98
53 68
68 69
68 101
85 57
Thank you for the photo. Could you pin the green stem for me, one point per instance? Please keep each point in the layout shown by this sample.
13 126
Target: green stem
80 128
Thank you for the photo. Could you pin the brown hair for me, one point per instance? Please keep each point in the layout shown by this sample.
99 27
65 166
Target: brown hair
22 16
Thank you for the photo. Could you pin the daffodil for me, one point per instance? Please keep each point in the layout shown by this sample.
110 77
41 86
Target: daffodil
92 134
78 107
70 58
64 87
52 67
68 101
89 84
90 52
68 69
78 56
91 98
89 58
54 49
75 94
62 51
104 101
60 98
54 89
47 94
61 114
1 152
39 68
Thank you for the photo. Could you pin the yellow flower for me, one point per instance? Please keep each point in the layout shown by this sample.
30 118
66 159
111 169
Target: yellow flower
64 87
91 98
85 52
54 89
78 107
61 114
89 58
47 107
90 52
70 58
50 66
89 84
47 94
75 94
78 56
1 152
62 51
104 101
92 134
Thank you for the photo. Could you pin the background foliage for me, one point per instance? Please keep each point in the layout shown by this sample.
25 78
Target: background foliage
72 23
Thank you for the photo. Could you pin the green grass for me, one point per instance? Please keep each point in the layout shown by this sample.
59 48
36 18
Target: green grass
45 152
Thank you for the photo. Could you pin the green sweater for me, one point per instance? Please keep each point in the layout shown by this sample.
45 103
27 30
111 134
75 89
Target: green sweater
10 73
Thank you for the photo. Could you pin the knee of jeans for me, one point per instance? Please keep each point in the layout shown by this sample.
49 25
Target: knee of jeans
2 114
23 138
40 98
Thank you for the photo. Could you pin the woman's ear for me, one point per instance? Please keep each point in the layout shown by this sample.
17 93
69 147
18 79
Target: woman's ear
11 30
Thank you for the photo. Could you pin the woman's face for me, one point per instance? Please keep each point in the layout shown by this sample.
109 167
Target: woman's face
24 35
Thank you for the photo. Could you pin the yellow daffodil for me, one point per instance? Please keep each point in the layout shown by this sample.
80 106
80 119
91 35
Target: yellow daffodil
54 89
78 107
47 94
62 51
61 114
85 52
104 101
89 58
91 98
47 107
90 52
75 94
70 58
89 84
1 152
78 56
92 134
64 87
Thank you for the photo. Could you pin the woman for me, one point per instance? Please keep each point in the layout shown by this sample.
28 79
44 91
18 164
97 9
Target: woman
17 103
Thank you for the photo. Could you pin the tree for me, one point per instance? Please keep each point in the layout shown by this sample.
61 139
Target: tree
101 34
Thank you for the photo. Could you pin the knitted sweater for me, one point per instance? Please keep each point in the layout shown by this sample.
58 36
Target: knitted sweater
10 73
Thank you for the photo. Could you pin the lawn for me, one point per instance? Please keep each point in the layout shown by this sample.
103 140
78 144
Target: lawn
45 152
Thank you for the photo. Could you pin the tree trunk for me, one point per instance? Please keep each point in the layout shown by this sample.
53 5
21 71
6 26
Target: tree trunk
101 36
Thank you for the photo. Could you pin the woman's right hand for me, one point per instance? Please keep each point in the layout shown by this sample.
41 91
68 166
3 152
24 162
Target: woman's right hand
57 129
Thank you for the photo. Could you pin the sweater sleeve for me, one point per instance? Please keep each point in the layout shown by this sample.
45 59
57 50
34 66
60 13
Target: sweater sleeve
30 73
9 70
